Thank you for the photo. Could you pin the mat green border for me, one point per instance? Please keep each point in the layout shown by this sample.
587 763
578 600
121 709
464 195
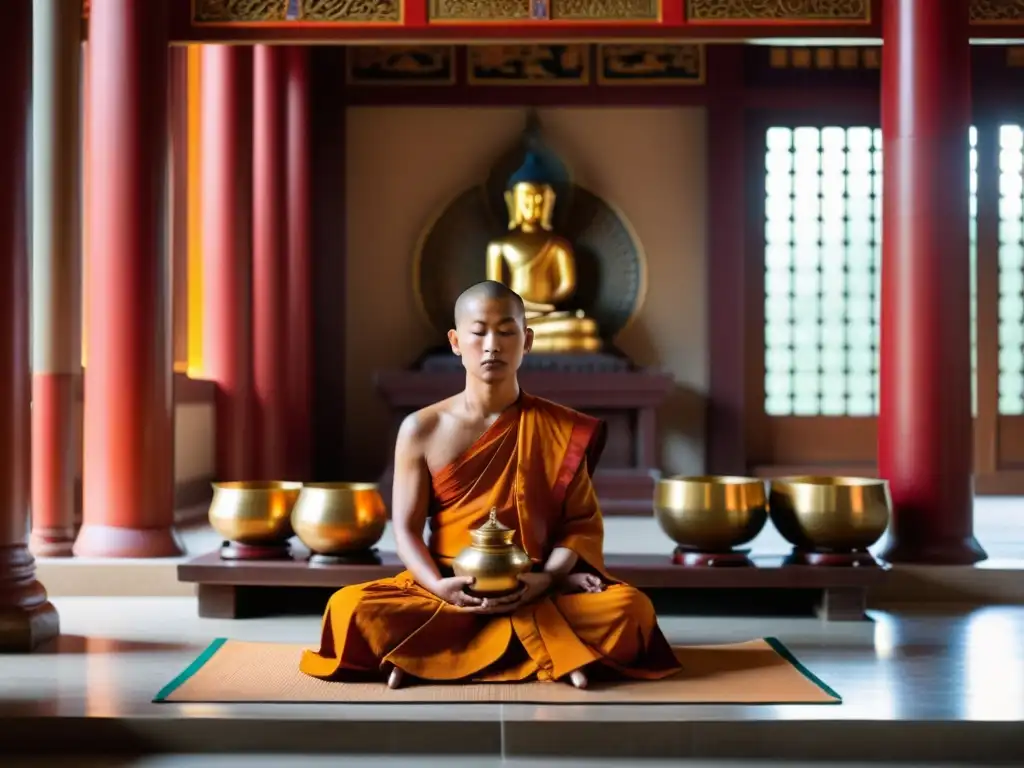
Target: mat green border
779 647
190 670
773 642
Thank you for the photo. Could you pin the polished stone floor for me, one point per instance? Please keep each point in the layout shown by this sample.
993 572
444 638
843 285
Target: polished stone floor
918 687
935 671
429 761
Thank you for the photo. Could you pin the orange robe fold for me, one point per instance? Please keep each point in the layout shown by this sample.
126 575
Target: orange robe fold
534 464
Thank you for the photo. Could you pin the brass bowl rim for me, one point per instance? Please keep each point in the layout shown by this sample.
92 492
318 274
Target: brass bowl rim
829 481
342 486
721 480
257 485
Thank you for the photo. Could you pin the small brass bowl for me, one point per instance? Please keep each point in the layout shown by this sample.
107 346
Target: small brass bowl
253 512
339 518
834 514
713 513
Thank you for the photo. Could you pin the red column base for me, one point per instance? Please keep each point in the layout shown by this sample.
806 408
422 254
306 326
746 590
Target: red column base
965 551
52 542
53 470
112 541
27 618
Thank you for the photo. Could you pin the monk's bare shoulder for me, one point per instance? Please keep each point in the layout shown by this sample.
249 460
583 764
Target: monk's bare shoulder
418 428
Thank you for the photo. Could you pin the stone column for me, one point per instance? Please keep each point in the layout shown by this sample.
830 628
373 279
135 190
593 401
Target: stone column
300 301
27 618
226 132
128 474
924 425
56 273
269 311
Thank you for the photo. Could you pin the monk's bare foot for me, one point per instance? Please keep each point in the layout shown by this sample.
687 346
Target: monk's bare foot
578 679
396 678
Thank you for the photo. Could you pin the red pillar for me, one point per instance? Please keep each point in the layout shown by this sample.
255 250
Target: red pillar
269 311
26 616
128 473
924 426
56 278
226 149
299 303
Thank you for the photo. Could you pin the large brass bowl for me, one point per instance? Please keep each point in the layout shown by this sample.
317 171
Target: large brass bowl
834 514
714 513
339 518
253 512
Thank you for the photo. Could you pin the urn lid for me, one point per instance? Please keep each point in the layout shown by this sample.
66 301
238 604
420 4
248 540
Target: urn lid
492 533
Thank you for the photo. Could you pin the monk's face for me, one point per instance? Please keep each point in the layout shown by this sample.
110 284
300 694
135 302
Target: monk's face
491 338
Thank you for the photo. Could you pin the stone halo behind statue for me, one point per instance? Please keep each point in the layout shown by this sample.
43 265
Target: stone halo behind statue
451 253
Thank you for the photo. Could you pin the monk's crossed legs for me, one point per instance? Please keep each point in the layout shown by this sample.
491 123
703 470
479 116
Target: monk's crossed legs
395 623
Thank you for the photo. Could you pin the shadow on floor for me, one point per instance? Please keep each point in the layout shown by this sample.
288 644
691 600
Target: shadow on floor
73 644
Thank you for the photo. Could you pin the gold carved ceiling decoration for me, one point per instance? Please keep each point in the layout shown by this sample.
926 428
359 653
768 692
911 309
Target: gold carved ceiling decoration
627 10
270 11
528 64
240 10
344 12
997 11
522 10
351 10
482 10
779 10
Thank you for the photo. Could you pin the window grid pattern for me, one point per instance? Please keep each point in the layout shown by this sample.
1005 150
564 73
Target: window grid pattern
1011 271
823 242
822 247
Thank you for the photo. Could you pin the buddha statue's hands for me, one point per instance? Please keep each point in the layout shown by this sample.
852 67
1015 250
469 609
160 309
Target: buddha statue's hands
580 582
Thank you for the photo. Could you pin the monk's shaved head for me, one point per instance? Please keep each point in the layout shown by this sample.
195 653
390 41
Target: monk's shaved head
490 290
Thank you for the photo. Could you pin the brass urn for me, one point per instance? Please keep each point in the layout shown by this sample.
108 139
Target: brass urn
492 559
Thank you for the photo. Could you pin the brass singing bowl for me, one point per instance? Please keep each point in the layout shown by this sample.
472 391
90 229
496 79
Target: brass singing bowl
711 513
339 518
838 514
253 512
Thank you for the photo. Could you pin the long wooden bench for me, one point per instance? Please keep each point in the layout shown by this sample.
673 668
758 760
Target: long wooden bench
242 589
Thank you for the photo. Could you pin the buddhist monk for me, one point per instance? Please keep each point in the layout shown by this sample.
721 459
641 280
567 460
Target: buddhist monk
493 445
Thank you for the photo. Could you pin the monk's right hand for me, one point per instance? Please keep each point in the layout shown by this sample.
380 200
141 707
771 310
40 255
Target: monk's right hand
452 591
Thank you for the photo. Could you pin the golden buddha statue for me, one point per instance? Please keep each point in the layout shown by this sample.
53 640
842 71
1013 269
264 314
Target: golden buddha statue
540 265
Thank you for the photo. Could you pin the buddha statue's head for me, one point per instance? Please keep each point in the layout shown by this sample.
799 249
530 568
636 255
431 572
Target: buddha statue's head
530 196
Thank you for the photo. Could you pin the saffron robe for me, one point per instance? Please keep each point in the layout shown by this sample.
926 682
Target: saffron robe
534 464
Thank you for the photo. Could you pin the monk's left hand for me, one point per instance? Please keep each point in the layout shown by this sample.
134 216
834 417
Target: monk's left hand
581 582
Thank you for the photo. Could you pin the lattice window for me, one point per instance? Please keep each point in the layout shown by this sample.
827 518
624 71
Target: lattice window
822 245
823 241
1011 270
